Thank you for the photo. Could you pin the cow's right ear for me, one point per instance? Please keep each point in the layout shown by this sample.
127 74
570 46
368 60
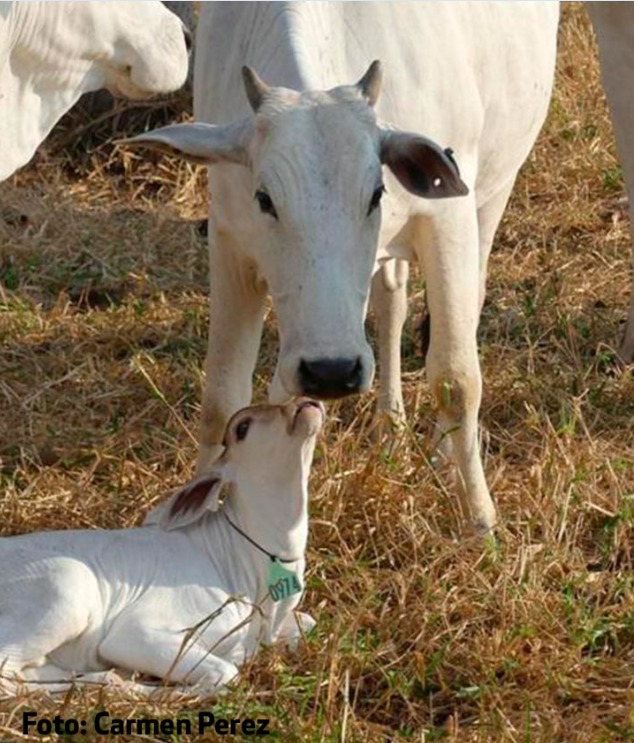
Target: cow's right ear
200 143
191 502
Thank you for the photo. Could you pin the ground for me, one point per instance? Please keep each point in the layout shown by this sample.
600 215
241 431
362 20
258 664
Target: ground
422 634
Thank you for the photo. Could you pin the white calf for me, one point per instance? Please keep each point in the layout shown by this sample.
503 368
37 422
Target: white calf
188 596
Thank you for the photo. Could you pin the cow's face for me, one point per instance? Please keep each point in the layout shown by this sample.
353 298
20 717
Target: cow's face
147 48
150 47
316 163
317 186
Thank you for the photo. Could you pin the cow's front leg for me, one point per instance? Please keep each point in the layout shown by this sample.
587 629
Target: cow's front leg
449 252
389 302
236 310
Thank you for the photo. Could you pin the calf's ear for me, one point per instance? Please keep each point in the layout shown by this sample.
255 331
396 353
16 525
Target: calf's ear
200 143
189 503
421 166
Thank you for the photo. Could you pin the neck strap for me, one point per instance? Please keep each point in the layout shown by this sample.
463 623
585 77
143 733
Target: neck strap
270 555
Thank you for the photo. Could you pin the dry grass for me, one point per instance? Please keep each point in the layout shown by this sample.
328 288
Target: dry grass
421 636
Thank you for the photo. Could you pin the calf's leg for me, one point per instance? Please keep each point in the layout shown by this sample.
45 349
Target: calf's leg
160 652
489 216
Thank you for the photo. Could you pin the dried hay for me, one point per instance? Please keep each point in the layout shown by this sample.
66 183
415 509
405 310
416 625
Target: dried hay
421 635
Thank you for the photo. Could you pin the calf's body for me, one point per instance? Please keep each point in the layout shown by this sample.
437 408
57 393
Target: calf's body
184 598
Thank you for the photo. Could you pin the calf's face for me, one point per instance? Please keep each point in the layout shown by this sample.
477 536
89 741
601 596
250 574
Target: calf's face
272 445
268 454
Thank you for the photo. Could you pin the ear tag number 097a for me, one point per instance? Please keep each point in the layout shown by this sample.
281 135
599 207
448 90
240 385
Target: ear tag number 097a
283 583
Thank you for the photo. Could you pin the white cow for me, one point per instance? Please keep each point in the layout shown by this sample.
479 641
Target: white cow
297 187
53 52
189 596
614 25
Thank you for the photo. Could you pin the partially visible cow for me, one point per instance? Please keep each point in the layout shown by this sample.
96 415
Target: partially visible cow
189 596
299 207
613 23
53 52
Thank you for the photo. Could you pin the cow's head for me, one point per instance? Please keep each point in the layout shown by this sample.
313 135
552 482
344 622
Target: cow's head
55 52
134 49
316 160
138 49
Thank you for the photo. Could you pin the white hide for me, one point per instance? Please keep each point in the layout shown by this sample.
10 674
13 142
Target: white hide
53 52
74 604
473 76
613 23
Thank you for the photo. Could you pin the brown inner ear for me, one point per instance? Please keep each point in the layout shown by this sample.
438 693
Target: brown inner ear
422 167
193 497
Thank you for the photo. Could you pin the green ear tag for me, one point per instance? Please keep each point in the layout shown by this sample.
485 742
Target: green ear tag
283 583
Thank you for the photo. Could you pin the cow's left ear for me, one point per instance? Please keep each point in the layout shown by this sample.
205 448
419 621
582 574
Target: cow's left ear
421 166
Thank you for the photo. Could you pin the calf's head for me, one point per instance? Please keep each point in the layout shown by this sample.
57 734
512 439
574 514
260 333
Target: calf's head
315 160
266 464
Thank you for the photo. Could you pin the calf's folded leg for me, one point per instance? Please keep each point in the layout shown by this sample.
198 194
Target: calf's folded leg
161 652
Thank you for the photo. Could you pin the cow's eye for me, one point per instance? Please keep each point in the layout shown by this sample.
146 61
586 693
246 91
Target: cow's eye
242 429
266 205
376 199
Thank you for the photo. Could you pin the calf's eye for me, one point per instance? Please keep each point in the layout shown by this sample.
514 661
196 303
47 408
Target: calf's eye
242 429
265 202
376 199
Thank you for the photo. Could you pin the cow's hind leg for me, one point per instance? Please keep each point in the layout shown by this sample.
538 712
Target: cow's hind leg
489 216
449 249
236 308
389 302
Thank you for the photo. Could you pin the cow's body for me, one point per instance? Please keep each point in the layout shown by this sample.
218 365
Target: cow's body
473 76
53 52
296 190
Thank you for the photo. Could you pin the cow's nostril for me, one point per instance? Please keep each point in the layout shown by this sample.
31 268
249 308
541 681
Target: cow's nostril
189 39
354 380
330 378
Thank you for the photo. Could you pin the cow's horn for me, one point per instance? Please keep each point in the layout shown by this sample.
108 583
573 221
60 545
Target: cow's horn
255 87
370 83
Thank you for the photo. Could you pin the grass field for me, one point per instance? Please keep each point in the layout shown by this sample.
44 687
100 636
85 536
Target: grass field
422 635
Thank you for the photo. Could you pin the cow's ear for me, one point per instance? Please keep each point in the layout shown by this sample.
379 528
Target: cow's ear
200 143
191 502
421 166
